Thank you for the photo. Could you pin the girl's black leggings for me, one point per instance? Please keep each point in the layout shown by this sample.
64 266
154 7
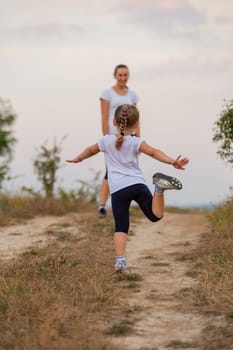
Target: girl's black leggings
121 201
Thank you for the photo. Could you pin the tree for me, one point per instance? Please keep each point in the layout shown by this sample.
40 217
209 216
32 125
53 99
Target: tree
7 140
223 133
46 163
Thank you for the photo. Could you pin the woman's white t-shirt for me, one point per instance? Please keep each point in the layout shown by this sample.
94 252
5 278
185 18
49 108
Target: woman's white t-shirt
116 100
123 164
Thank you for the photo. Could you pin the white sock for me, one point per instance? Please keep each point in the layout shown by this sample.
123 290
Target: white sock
121 259
158 189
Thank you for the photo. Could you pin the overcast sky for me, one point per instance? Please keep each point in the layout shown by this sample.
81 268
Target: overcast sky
57 56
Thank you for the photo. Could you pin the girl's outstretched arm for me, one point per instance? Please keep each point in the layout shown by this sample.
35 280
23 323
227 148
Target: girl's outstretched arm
178 163
87 153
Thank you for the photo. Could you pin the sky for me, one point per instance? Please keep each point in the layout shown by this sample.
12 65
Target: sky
56 57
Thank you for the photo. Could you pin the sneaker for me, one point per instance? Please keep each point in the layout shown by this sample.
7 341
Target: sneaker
120 266
166 182
102 212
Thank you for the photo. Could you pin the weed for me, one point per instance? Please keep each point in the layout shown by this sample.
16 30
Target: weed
132 285
191 273
215 338
129 276
123 327
177 344
229 316
160 263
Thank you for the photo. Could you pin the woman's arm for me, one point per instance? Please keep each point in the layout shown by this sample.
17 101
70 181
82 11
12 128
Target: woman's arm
104 106
155 153
137 130
87 153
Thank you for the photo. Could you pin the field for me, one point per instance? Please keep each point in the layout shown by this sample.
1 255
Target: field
58 289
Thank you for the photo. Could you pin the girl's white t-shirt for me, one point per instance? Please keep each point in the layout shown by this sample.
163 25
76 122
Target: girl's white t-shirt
116 100
123 165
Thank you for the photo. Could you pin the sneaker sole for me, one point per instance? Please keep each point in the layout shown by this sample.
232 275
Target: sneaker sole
120 268
102 214
174 182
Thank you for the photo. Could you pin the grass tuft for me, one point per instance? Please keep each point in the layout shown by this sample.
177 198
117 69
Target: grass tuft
120 328
177 344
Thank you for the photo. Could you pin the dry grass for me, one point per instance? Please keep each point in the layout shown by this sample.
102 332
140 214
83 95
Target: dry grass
66 296
212 265
18 209
215 261
61 297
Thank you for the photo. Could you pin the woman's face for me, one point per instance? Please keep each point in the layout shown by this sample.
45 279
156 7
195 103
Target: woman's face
122 76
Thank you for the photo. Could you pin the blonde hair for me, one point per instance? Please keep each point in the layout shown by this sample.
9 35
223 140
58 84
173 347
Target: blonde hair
126 116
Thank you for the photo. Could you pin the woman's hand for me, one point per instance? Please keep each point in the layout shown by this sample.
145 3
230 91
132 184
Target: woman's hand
75 160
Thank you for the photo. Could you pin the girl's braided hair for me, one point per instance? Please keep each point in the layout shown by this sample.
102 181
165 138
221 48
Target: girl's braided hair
126 117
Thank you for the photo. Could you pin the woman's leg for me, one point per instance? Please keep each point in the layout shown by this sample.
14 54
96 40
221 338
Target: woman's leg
104 193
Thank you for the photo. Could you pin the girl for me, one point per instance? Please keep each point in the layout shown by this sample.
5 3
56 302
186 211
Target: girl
126 181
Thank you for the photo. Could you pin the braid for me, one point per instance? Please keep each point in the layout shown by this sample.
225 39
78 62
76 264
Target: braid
122 125
123 119
126 116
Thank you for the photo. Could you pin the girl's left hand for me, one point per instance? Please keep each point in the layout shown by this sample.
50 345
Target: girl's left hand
179 163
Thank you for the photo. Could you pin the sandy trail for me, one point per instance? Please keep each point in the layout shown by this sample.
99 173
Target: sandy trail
35 233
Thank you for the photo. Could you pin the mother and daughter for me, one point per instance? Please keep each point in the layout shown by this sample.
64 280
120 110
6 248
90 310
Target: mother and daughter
125 178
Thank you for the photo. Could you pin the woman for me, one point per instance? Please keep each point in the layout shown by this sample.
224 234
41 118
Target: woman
110 99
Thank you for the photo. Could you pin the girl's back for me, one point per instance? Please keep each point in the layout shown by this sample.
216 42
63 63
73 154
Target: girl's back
123 163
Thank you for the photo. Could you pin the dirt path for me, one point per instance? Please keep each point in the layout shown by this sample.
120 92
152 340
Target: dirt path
35 233
153 252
